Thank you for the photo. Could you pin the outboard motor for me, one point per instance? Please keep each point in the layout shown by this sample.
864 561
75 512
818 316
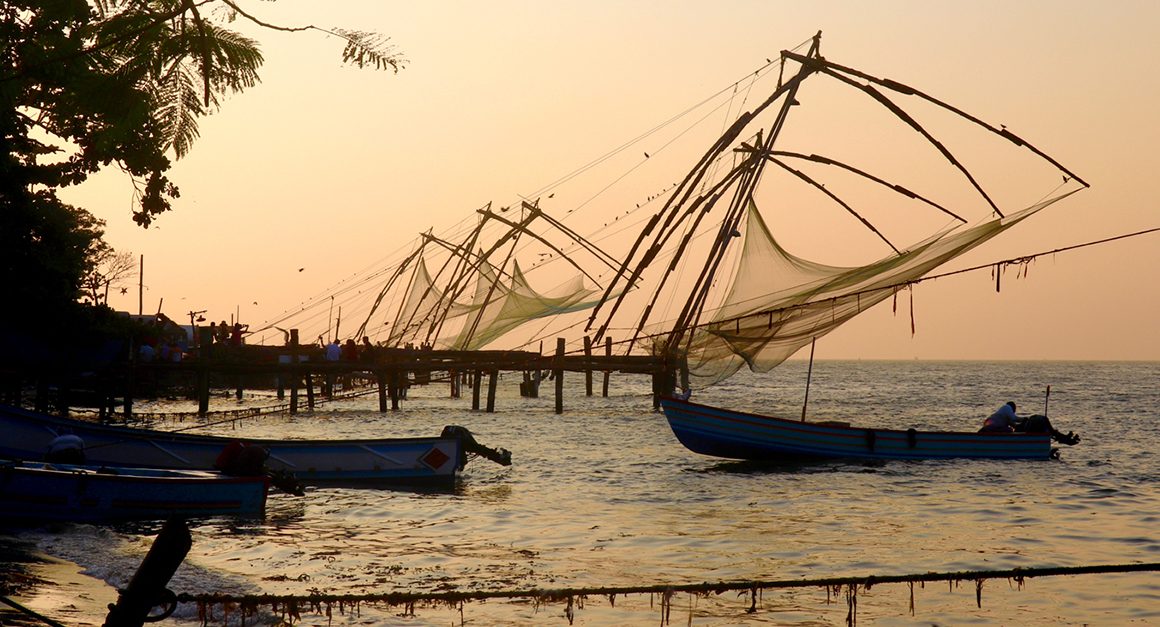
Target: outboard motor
468 444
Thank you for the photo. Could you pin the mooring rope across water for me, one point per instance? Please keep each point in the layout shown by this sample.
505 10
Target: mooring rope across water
317 601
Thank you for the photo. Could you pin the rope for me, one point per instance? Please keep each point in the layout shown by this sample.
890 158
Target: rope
455 597
232 415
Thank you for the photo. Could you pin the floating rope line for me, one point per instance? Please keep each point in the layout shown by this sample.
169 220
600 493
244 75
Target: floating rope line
292 605
231 415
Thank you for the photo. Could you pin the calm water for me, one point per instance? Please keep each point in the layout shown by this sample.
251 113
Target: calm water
605 496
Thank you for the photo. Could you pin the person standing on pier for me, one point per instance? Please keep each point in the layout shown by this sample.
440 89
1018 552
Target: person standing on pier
236 335
333 351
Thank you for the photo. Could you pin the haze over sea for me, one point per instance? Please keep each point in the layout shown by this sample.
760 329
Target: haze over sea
604 495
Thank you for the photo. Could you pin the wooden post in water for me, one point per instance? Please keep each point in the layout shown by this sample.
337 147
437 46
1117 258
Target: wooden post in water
393 387
476 376
587 366
127 408
202 389
657 376
309 379
381 380
492 377
203 359
607 373
295 375
281 376
558 372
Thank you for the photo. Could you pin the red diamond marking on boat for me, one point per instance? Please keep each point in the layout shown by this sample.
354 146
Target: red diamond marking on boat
435 458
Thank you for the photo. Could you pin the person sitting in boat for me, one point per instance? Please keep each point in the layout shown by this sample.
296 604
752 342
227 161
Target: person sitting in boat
66 448
1002 421
1006 421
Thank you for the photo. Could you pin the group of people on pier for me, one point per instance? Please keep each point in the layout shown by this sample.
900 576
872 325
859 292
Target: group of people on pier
227 334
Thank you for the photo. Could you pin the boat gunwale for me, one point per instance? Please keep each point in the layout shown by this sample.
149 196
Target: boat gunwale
145 433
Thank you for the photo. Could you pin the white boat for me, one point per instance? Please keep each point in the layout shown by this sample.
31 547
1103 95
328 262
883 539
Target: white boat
374 462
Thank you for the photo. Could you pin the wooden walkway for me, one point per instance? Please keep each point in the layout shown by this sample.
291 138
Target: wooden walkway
302 373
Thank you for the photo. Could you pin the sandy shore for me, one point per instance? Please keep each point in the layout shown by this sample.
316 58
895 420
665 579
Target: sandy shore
53 588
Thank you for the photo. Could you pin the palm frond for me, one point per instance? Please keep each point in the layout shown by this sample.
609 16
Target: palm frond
370 49
236 59
179 105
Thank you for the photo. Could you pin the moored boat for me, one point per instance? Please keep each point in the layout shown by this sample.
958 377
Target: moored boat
375 462
43 492
739 435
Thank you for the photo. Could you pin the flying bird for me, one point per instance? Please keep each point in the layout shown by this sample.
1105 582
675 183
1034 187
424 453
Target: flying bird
301 269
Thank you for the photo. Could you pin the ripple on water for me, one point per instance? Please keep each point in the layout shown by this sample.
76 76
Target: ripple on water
605 496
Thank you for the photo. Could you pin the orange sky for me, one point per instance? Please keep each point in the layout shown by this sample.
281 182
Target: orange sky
335 170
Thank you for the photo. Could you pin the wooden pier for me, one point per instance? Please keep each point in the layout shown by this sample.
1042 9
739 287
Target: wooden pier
305 376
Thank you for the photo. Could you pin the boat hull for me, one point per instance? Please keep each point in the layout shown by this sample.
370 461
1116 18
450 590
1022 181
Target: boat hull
39 492
738 435
392 461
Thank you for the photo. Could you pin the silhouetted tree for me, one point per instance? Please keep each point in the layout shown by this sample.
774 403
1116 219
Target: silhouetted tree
89 84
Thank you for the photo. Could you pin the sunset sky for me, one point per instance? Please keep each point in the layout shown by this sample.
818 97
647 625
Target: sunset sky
334 170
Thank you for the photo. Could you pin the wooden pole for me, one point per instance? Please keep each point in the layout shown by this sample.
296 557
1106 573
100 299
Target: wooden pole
294 373
809 375
657 385
130 391
147 587
492 377
476 377
309 389
202 389
558 372
587 366
607 373
381 380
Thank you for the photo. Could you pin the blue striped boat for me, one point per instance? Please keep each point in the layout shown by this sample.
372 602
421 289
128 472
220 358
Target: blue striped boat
738 435
40 492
